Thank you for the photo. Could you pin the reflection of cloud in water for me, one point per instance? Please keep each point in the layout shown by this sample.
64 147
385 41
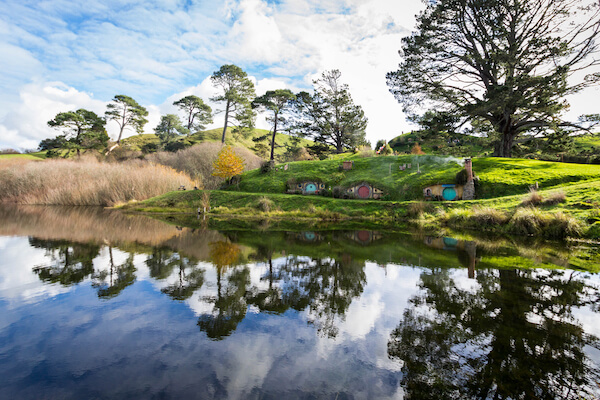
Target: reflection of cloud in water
17 280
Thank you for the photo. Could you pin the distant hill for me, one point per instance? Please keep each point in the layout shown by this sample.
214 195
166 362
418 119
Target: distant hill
138 142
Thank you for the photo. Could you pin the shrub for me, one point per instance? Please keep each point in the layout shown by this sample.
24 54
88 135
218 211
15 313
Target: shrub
527 221
338 192
533 198
561 226
365 151
197 161
461 177
265 167
487 216
265 204
417 208
555 198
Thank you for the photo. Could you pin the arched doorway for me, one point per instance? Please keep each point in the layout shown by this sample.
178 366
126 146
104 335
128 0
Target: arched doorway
364 192
310 188
449 193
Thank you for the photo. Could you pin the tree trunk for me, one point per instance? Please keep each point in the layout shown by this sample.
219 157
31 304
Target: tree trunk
273 139
226 120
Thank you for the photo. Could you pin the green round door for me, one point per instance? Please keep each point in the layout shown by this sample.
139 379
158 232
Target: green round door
449 193
311 188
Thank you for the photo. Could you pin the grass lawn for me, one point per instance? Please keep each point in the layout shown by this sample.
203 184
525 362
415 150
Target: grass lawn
40 155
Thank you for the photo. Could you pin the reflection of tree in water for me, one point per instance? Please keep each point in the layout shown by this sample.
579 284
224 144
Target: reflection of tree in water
109 283
229 303
513 337
161 264
70 262
271 299
326 286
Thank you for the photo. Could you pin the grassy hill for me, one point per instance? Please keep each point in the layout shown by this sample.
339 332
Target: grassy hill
461 145
497 176
40 155
138 142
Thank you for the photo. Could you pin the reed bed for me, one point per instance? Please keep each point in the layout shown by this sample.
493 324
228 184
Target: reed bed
87 182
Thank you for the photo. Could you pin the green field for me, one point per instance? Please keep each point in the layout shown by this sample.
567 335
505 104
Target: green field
40 155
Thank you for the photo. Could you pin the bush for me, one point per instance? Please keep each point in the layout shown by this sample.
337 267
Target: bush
527 221
532 199
265 167
197 162
487 216
461 177
417 208
338 192
555 198
365 151
265 204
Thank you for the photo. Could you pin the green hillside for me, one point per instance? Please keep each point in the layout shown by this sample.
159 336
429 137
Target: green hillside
460 145
138 142
497 176
40 155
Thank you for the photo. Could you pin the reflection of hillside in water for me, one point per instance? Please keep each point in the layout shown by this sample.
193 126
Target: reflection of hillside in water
103 227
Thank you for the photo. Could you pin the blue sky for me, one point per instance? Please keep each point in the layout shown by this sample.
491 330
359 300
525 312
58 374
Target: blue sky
62 55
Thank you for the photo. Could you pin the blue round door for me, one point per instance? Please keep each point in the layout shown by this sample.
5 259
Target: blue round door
311 188
449 193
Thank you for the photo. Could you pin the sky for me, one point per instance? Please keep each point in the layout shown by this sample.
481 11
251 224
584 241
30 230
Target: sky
61 55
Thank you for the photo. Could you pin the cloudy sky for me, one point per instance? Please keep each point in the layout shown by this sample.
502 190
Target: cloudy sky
61 55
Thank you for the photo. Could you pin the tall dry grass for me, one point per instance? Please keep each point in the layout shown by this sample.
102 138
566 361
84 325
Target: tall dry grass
86 182
197 161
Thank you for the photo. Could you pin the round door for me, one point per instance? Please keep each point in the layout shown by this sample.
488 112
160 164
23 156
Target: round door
311 188
449 193
364 192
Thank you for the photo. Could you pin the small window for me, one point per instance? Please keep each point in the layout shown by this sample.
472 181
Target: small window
427 192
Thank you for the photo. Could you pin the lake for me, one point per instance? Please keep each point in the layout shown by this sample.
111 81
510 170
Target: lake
96 304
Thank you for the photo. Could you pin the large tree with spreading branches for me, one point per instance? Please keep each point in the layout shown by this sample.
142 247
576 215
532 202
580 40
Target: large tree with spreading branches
505 63
236 91
81 129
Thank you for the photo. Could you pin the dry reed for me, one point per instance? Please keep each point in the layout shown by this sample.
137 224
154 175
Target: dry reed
86 182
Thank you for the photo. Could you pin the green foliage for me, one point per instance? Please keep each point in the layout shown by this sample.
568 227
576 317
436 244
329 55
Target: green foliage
126 112
278 103
82 129
198 113
505 65
237 92
329 116
168 130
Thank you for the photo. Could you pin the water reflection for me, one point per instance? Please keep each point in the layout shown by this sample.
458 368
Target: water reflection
511 336
373 314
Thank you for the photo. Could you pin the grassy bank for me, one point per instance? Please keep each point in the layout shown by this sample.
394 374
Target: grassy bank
574 211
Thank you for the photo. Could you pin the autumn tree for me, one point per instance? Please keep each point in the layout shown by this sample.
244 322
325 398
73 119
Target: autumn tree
278 103
237 92
228 164
508 63
329 116
82 129
127 113
169 128
198 114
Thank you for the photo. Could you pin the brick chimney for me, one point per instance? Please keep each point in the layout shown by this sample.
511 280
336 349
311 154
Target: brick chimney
469 168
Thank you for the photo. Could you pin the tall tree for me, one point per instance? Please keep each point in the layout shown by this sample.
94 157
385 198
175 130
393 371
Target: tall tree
329 116
82 129
278 103
126 112
237 92
169 128
507 62
197 113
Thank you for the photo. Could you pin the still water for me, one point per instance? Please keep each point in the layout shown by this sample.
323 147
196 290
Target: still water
95 304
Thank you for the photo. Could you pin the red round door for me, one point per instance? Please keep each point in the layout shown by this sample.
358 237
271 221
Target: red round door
364 192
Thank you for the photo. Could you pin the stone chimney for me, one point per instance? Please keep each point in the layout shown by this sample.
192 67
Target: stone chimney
469 188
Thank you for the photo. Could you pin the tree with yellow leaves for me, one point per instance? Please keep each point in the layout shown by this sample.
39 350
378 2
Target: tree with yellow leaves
228 164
